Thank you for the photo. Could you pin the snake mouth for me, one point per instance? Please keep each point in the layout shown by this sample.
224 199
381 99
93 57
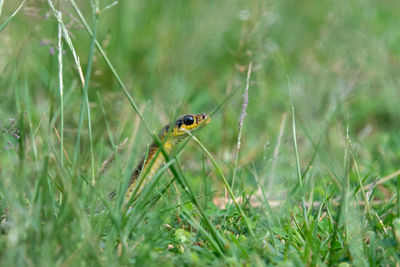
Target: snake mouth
206 121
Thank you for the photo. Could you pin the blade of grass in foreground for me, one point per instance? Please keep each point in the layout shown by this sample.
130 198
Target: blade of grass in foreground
299 175
85 103
12 15
306 232
86 88
61 90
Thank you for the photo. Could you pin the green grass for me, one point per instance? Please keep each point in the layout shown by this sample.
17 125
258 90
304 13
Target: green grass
305 186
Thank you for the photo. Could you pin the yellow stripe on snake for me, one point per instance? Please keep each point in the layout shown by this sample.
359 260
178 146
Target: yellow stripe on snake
170 135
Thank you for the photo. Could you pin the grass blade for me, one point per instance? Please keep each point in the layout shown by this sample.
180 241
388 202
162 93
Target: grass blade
2 26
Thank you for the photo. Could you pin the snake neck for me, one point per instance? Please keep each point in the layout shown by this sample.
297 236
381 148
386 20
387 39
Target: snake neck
153 160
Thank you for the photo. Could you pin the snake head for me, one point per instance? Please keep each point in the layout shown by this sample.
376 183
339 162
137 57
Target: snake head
185 124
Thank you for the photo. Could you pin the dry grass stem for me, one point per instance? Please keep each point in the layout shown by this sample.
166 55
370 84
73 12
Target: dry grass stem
382 180
106 164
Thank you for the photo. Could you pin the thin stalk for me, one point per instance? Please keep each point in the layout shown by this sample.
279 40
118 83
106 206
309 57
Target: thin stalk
116 149
276 150
78 134
61 90
346 186
1 6
31 132
2 26
57 14
382 180
241 121
296 150
220 105
85 91
299 175
206 185
103 111
360 183
85 104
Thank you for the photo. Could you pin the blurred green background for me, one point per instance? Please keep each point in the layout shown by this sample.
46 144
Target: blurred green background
336 62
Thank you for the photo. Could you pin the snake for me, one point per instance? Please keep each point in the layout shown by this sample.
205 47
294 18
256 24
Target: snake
170 135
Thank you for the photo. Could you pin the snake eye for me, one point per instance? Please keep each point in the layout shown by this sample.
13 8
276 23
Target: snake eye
188 120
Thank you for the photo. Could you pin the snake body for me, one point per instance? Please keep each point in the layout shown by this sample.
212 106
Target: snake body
170 135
